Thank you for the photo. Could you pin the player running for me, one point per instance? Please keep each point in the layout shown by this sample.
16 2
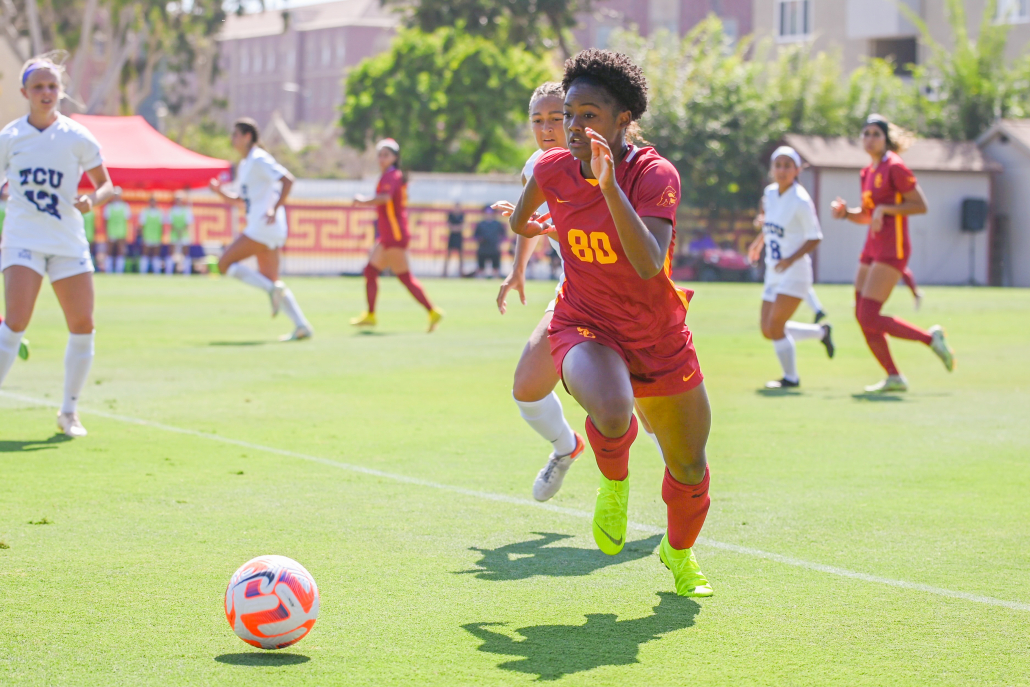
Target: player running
890 193
618 329
43 231
790 232
391 249
259 175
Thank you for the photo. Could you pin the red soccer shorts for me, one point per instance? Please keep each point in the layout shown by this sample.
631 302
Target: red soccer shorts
667 368
390 242
897 263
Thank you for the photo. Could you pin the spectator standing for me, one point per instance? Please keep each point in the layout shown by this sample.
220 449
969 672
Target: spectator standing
455 237
489 234
180 217
151 227
116 216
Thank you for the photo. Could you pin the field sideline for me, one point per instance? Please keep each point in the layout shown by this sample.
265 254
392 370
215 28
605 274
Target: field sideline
211 443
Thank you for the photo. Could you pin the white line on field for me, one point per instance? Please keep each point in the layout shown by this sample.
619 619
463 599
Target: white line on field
514 500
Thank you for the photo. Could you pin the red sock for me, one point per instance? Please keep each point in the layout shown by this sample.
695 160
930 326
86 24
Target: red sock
910 281
416 289
871 320
371 286
878 345
612 455
686 506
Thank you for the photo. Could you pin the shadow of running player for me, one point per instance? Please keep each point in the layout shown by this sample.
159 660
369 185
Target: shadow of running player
9 446
522 560
553 651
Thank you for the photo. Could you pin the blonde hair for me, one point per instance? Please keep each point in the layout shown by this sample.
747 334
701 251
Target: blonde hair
52 61
548 89
899 139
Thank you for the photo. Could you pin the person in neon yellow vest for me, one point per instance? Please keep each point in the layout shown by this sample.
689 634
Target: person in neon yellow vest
180 217
116 216
151 225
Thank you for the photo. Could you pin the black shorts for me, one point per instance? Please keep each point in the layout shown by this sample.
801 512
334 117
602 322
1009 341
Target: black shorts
493 258
455 240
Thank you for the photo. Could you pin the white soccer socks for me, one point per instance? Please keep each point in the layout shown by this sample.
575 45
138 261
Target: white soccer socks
547 419
9 342
249 276
144 264
812 301
119 264
800 331
293 310
78 358
787 353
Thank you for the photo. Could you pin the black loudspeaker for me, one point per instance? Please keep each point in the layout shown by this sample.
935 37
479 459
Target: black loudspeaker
974 214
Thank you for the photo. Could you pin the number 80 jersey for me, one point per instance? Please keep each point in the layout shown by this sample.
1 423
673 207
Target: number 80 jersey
602 290
43 169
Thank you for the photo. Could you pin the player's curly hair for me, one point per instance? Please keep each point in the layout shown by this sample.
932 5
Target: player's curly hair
548 89
613 71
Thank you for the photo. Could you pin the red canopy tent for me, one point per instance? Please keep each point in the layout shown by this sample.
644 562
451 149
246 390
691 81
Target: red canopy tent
138 156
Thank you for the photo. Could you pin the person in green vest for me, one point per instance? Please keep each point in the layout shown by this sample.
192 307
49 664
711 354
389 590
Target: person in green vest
90 226
151 225
116 216
180 217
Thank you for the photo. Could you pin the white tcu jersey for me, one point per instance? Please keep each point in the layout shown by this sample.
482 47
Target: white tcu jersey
790 220
259 176
43 169
527 174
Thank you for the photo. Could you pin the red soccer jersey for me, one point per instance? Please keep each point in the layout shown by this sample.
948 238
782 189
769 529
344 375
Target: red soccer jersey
602 290
884 185
393 214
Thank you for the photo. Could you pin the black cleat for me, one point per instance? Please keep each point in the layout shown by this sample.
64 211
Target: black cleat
782 384
827 339
818 317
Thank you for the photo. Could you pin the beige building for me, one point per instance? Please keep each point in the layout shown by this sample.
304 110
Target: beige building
948 172
12 104
860 29
1008 143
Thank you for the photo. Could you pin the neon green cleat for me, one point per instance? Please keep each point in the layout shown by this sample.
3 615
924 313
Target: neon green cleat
434 319
367 319
940 346
690 581
23 349
610 516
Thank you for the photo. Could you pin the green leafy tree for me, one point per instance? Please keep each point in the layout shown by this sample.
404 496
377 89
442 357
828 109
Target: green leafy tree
961 90
451 99
534 24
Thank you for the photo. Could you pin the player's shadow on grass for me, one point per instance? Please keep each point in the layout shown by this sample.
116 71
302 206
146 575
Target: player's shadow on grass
878 398
552 651
238 343
776 393
34 445
522 560
253 658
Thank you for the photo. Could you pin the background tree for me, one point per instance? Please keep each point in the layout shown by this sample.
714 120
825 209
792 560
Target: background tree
536 25
453 100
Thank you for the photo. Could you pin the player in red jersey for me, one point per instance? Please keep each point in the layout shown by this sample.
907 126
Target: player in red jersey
618 330
391 248
890 193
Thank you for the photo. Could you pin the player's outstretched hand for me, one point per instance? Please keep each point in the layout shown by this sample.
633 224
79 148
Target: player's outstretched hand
839 208
84 203
516 280
602 162
504 207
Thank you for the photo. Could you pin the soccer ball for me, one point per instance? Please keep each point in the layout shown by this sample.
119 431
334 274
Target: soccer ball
271 602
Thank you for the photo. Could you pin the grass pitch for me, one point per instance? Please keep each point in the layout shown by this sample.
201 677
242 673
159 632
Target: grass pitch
394 466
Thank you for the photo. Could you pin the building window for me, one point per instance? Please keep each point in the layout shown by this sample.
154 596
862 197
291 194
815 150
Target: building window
244 60
271 60
900 51
326 51
793 20
664 14
1013 11
341 51
257 60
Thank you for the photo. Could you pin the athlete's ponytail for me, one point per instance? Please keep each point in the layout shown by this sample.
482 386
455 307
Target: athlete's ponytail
898 139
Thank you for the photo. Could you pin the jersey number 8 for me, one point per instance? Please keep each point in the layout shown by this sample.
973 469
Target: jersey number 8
774 250
595 247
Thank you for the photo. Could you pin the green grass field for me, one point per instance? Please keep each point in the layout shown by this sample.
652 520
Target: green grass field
852 540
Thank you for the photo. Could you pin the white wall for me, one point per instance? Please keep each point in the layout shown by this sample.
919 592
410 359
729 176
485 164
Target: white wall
940 250
1011 198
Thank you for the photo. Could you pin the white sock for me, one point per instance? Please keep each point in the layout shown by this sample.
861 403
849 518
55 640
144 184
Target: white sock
546 417
293 310
77 360
187 264
787 354
108 264
119 264
9 342
812 301
800 331
249 276
170 264
144 264
654 438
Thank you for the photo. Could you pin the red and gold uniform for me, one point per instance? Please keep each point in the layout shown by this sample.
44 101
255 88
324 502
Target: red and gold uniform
884 185
603 299
393 214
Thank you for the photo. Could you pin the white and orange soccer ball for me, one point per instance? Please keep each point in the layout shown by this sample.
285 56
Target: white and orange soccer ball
271 602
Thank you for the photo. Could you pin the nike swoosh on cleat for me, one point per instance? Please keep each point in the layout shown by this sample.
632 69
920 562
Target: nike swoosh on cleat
613 540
